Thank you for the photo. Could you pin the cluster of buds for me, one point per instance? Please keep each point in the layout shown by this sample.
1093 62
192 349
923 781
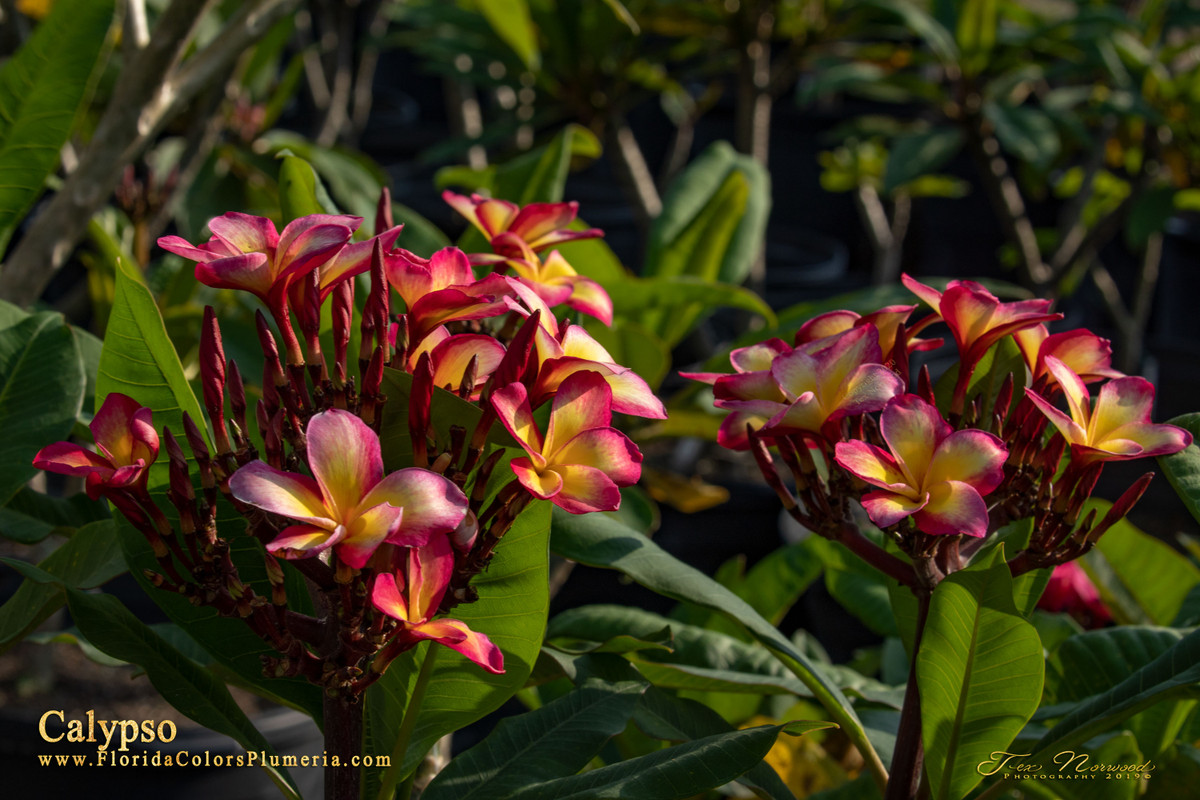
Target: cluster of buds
838 409
387 554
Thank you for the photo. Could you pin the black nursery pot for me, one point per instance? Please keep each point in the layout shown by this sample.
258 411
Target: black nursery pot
209 768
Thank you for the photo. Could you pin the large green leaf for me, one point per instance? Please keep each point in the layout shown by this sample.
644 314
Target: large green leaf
41 392
511 611
1026 132
670 306
42 89
1128 555
1172 675
673 774
664 716
979 670
138 360
1183 468
976 33
192 690
554 741
88 559
1095 661
602 542
859 588
31 516
713 220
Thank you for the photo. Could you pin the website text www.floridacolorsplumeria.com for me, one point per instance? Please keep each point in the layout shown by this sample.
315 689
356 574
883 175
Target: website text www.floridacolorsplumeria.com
113 737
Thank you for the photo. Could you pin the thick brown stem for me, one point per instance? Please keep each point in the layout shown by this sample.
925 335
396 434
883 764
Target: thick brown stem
909 756
343 739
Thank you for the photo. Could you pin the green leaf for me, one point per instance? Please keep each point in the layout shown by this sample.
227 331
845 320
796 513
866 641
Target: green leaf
675 773
1172 675
192 690
919 21
1095 661
1119 751
298 196
41 393
916 154
858 587
1183 468
670 306
976 34
88 559
138 360
511 611
353 180
511 21
713 219
31 516
1001 360
664 716
1028 133
555 741
601 542
1131 556
1149 216
979 670
43 89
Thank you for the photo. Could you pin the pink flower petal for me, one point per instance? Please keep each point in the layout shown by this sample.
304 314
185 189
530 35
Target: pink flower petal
887 508
932 297
590 298
452 356
512 408
209 251
953 508
369 529
537 220
246 233
386 596
431 503
971 456
1072 431
583 401
630 393
585 489
758 357
304 541
344 456
287 494
912 428
1075 391
606 449
429 570
123 431
755 413
309 242
871 464
250 272
65 458
458 637
354 259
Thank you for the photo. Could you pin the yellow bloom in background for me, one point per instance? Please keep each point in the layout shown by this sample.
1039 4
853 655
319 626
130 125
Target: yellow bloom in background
34 9
801 761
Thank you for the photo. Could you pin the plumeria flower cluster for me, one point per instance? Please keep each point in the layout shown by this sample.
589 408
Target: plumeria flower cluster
940 469
389 552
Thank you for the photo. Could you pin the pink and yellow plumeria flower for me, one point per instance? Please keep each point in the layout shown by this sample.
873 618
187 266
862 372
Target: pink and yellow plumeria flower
977 318
540 226
412 598
830 379
1085 353
581 462
566 350
449 356
886 320
749 393
247 252
1118 427
351 505
442 289
934 473
128 443
558 282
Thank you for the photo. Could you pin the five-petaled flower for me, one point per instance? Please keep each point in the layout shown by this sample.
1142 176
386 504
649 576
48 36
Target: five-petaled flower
412 597
934 473
581 462
128 443
539 226
829 379
350 505
1118 427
